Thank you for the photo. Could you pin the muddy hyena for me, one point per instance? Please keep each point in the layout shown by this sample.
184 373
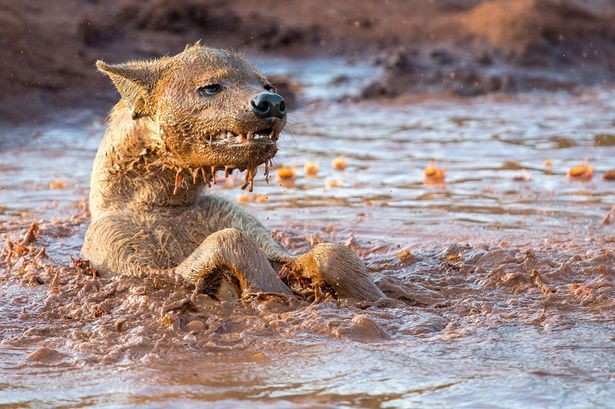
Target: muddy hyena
180 120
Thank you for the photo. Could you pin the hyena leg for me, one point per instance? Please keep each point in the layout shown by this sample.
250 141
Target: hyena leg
117 243
232 251
341 268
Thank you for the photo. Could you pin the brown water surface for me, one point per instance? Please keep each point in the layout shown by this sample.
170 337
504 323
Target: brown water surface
502 280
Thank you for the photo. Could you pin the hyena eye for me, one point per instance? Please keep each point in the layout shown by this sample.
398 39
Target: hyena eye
210 89
269 87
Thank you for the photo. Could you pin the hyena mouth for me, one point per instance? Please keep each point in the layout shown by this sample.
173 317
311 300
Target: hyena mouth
230 138
235 151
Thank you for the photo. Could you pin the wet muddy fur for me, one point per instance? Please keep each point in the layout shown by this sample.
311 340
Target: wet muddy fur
181 120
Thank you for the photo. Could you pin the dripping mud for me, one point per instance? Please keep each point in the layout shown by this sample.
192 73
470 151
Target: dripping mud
501 287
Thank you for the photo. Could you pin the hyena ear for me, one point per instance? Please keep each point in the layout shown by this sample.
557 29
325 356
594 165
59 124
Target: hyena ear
136 82
197 44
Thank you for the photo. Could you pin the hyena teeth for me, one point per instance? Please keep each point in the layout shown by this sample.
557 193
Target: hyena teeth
242 138
250 135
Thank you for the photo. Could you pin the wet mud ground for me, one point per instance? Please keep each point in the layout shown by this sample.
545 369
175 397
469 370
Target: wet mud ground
501 280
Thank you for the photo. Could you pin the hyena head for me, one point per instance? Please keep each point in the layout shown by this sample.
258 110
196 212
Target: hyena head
213 109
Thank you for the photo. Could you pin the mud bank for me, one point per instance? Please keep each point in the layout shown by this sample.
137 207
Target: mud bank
505 46
465 47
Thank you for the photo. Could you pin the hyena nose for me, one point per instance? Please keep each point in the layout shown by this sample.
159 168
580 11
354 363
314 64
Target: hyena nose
268 104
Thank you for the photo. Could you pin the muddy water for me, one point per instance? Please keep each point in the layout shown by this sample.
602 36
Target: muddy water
501 280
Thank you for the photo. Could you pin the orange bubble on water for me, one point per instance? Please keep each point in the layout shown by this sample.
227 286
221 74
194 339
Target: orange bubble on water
57 184
243 199
581 172
330 184
432 174
548 163
339 163
286 176
247 198
310 168
609 175
286 173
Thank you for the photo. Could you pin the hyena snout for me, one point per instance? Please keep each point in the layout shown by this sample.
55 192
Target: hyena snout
268 105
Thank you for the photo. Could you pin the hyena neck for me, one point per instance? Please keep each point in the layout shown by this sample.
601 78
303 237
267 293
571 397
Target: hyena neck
132 170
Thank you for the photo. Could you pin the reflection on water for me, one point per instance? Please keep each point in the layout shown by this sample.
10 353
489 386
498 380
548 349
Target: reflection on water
504 285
